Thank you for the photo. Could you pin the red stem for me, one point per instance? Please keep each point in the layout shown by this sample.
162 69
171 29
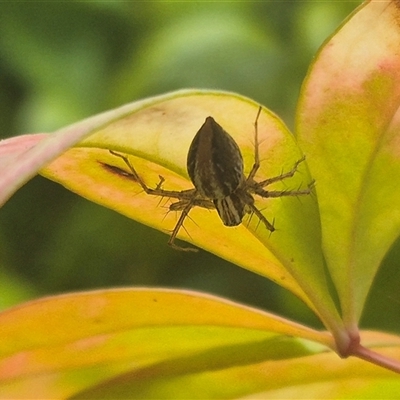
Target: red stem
375 358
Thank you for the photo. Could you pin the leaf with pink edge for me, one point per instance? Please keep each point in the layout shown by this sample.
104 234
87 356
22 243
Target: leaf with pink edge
349 128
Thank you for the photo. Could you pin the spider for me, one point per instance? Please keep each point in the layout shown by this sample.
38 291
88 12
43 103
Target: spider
215 167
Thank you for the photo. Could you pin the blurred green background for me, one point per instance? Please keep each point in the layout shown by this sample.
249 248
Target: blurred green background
63 61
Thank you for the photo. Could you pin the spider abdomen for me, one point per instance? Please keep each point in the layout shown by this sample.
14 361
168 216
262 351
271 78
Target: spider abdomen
214 162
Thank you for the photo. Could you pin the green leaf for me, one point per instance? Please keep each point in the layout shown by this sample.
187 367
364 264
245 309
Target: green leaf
348 126
155 343
156 134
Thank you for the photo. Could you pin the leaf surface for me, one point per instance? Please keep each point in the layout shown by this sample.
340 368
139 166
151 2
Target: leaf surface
348 126
156 135
159 343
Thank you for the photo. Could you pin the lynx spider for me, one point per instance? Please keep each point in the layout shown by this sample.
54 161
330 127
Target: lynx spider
215 166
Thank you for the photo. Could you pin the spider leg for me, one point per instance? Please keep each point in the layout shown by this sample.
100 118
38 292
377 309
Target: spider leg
159 184
158 191
185 205
196 202
179 224
261 217
281 193
256 164
282 176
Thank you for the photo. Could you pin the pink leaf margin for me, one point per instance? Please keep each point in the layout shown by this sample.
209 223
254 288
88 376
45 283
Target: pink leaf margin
21 157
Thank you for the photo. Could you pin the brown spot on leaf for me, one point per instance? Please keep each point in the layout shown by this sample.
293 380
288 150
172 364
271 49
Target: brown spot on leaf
117 171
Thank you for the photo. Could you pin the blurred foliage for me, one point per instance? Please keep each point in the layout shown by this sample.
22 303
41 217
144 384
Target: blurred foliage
61 62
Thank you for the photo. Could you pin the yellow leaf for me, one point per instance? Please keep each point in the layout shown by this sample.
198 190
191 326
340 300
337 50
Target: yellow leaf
156 134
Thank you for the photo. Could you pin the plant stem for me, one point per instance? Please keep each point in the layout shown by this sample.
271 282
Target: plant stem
376 358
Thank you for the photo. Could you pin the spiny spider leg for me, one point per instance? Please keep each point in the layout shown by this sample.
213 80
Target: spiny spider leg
261 217
256 164
178 225
277 193
281 177
158 191
196 202
162 180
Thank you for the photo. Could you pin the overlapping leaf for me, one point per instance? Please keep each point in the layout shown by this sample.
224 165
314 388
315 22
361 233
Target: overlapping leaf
149 343
349 128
